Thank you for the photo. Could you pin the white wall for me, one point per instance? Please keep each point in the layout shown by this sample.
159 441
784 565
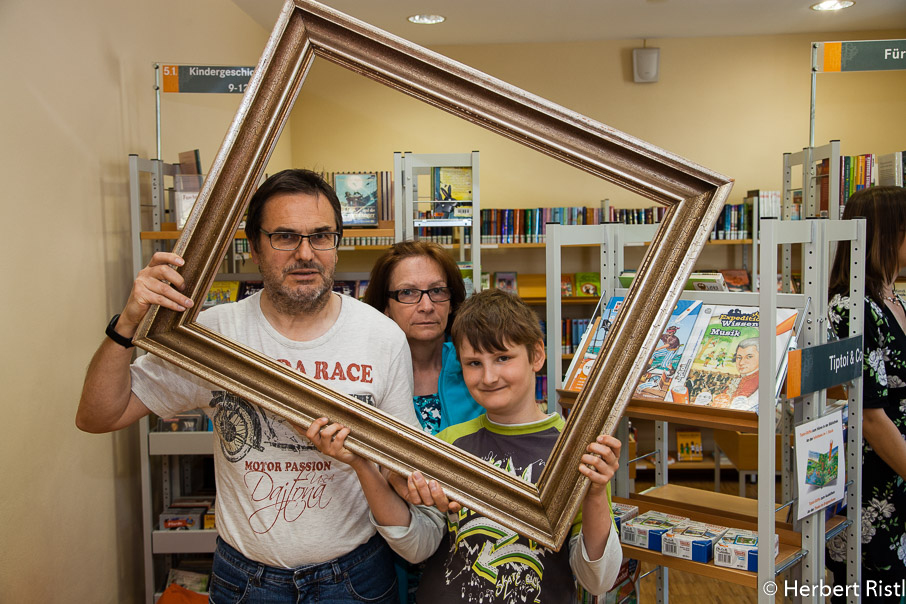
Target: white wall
77 99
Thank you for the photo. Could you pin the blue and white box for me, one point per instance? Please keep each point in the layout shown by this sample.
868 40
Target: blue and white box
623 512
692 540
646 530
738 548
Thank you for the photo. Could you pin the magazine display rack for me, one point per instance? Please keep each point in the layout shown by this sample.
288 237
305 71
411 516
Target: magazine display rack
446 208
802 544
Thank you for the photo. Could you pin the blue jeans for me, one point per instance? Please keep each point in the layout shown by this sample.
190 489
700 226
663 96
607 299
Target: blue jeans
365 574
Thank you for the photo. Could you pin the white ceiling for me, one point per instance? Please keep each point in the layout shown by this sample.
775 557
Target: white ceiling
511 21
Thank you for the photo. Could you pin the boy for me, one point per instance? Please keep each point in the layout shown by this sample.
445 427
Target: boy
500 346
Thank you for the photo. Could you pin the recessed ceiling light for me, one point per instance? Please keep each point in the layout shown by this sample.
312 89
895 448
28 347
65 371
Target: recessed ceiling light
427 19
833 5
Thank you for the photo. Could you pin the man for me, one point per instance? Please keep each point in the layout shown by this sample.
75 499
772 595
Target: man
747 366
293 524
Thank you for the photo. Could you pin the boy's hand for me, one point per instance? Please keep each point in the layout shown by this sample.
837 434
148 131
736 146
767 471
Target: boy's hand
422 492
601 461
330 440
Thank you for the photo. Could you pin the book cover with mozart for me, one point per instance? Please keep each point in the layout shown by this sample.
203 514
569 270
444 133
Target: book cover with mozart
722 370
665 359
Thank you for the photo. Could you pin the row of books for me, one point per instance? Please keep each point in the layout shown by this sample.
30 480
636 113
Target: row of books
707 355
529 225
652 215
540 387
734 222
859 172
571 331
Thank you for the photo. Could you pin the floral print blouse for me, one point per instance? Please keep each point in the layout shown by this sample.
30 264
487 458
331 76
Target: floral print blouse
883 491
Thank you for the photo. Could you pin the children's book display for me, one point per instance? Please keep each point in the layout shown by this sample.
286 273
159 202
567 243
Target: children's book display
722 369
707 355
664 361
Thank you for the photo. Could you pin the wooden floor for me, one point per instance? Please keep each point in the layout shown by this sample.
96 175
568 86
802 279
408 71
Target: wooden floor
687 588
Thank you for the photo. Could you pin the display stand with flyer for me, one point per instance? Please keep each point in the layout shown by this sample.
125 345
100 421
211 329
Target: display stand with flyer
720 355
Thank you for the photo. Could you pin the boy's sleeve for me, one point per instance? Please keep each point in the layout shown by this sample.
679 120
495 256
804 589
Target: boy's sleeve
596 576
421 538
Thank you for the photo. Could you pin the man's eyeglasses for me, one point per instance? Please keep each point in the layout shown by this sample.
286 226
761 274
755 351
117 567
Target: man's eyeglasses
288 242
414 296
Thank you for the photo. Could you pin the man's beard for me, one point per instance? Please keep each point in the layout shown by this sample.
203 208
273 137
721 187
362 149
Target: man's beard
300 299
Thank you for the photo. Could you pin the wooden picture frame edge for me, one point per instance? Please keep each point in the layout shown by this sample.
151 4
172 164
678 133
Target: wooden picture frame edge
306 30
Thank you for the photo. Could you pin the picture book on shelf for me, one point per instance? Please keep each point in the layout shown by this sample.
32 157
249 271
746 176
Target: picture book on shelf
249 288
567 285
347 288
588 284
358 194
506 282
360 288
722 370
665 359
222 292
590 346
737 279
704 281
465 269
453 183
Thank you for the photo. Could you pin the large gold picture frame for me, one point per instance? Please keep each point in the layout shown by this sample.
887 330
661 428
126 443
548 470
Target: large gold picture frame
305 30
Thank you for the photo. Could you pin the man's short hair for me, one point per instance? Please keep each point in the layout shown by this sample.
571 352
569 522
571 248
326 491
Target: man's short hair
289 181
493 320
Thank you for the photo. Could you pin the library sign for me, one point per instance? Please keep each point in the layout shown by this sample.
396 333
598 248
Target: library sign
206 78
819 367
864 55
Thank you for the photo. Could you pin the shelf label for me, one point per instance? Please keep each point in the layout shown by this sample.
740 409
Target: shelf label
819 367
206 78
861 55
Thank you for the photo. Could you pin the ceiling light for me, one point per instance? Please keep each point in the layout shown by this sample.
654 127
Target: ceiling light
427 19
833 5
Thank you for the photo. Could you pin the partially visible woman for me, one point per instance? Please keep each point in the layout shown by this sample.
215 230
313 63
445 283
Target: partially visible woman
883 388
418 285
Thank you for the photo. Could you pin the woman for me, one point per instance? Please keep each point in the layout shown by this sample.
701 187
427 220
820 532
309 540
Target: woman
418 285
883 385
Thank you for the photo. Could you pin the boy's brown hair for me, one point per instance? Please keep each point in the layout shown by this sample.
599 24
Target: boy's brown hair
493 319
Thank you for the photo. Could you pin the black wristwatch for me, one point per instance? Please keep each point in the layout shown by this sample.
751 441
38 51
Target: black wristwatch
113 335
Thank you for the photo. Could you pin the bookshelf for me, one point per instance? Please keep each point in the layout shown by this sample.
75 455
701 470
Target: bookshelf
452 202
164 475
801 552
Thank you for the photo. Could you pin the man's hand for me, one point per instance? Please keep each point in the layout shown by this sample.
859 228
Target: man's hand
157 283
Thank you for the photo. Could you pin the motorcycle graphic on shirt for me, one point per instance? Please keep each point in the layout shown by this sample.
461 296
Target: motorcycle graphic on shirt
243 426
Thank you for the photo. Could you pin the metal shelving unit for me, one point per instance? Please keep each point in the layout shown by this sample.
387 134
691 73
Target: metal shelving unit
802 544
162 477
407 170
